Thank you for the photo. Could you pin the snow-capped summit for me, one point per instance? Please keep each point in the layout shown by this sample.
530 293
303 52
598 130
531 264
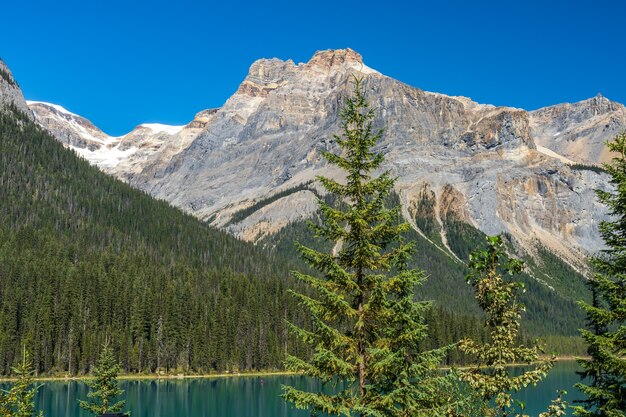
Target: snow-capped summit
56 107
117 155
73 130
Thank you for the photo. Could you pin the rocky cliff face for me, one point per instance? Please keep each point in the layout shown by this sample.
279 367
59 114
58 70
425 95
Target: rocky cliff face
578 131
69 128
497 168
10 92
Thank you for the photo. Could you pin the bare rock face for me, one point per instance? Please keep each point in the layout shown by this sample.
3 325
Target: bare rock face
69 128
499 169
202 119
10 92
266 75
330 58
578 131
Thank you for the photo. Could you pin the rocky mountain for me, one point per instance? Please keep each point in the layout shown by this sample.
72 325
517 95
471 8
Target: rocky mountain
242 166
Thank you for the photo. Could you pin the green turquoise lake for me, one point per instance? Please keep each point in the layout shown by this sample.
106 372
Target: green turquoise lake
244 396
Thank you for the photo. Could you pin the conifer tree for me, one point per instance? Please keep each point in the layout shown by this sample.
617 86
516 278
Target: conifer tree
366 324
604 374
491 378
104 387
19 401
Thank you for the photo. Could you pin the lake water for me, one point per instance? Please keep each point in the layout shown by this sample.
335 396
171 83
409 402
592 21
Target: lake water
244 396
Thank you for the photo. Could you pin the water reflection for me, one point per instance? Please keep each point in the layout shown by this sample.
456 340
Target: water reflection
243 396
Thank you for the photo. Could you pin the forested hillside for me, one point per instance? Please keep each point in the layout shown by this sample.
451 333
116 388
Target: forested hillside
85 258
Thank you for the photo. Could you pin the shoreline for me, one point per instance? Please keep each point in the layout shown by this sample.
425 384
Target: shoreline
143 377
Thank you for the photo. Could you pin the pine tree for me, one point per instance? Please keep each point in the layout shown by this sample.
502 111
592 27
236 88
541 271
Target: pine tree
604 373
19 401
104 387
366 323
491 378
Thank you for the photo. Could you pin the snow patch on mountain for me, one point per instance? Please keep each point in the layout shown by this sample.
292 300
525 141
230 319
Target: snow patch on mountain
161 128
105 157
361 67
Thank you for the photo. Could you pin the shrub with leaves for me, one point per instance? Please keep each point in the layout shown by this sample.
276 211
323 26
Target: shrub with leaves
492 378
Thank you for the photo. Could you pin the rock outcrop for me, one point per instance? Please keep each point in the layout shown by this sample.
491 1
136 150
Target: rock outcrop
578 131
70 129
10 92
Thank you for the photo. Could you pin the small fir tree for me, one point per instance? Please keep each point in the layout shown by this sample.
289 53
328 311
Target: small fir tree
491 378
604 373
19 401
104 387
366 323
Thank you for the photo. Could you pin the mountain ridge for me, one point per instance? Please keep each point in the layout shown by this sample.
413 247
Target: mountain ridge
509 175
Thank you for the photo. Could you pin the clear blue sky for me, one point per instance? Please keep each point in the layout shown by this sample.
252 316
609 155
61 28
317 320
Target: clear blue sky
121 63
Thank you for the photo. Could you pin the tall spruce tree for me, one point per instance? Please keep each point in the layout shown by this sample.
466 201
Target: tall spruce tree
19 401
491 378
104 387
604 373
366 324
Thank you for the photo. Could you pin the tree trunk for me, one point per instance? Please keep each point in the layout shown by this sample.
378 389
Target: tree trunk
361 335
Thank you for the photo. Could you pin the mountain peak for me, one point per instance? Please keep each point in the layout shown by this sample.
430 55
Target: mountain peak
52 107
266 75
599 104
595 105
332 60
332 57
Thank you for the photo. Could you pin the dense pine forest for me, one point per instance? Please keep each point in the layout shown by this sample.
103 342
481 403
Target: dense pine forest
85 258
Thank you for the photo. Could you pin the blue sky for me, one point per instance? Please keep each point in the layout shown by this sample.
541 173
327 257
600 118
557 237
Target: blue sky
121 63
